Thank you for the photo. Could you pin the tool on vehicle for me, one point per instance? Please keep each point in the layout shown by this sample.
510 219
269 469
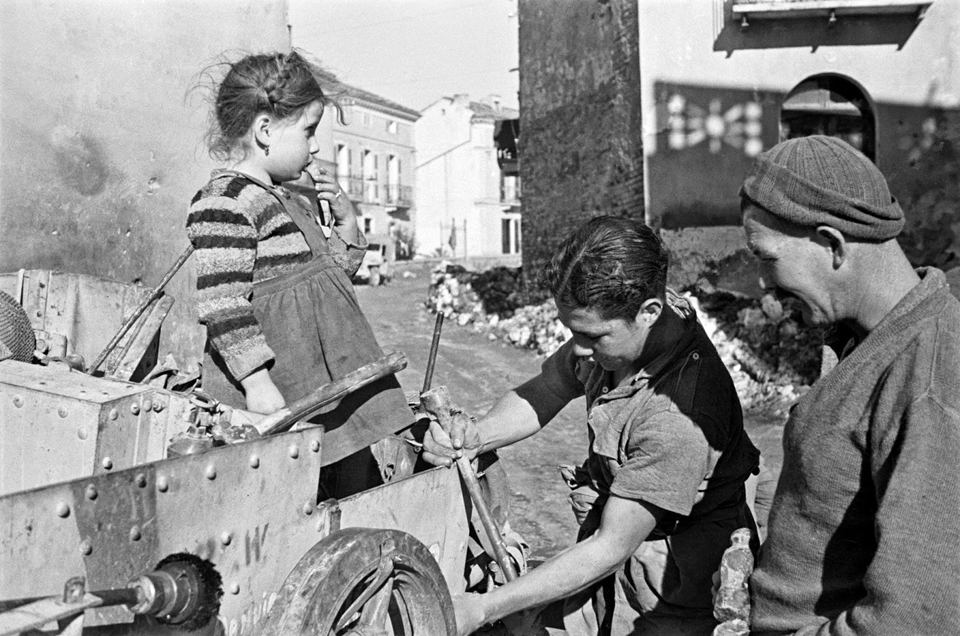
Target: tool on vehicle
434 347
286 417
437 402
142 307
183 590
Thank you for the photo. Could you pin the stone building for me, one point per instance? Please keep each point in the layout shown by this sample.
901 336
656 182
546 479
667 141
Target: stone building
468 186
372 152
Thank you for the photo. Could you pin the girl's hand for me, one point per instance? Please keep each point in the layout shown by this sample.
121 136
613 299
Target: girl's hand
468 609
262 394
329 190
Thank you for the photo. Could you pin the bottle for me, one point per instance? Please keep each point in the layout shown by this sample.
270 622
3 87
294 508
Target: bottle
733 597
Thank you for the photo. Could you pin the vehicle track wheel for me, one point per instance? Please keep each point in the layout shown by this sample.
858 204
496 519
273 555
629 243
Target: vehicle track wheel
363 582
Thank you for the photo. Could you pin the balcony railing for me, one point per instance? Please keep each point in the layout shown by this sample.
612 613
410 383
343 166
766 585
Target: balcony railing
371 191
399 195
510 193
353 186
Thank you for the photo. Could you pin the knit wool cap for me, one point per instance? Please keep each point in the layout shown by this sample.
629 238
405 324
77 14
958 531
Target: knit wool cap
820 180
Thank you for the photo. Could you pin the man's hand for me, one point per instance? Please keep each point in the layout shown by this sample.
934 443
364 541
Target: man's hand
468 609
442 447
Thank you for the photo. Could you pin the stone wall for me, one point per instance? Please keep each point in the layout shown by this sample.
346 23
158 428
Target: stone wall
580 147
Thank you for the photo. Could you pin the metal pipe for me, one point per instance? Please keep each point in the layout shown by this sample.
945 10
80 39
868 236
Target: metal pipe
434 346
125 327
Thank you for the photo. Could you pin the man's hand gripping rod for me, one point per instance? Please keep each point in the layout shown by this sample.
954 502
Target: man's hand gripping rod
437 402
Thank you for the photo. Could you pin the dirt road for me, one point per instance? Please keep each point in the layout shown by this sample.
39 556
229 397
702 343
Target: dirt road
477 371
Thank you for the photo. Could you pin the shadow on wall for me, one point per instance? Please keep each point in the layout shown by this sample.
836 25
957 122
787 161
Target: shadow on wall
707 138
813 30
75 209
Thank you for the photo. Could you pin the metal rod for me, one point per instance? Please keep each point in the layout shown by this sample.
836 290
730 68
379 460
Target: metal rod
437 402
109 598
486 519
285 418
434 346
139 310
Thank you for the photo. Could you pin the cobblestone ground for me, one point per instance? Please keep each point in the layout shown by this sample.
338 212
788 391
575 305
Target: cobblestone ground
477 371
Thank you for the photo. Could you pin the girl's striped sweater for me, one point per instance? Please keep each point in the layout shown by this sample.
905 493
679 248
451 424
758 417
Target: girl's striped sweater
243 235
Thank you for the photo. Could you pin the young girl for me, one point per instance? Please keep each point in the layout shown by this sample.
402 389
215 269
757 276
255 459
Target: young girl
273 280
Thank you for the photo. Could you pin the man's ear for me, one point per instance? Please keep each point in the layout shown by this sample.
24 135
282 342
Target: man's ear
261 130
650 311
836 241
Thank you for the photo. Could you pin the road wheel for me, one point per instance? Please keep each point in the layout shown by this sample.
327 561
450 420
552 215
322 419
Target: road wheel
362 581
374 276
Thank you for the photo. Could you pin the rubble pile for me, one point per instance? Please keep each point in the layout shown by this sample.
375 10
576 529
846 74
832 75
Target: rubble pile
494 302
771 358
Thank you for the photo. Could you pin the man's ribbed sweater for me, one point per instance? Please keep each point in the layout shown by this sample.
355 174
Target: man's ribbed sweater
242 236
864 534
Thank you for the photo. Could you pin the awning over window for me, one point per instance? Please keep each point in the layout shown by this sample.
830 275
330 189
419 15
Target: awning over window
830 9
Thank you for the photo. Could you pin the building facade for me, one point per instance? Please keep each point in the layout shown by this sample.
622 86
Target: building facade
468 185
373 155
724 80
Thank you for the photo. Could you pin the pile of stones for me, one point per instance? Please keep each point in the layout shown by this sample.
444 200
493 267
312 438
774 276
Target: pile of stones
772 359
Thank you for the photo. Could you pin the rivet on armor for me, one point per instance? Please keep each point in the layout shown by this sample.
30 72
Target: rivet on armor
141 480
158 406
234 588
135 533
147 405
91 492
17 401
211 472
308 508
226 538
315 445
62 412
63 510
85 548
107 463
294 452
114 414
82 433
135 409
162 484
254 461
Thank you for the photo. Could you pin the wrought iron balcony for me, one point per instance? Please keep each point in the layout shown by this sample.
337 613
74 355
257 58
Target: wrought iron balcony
399 195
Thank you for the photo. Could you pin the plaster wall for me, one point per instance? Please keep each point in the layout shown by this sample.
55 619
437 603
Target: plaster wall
458 182
697 51
100 147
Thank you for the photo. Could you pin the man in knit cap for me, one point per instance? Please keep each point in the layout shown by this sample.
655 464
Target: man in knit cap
864 533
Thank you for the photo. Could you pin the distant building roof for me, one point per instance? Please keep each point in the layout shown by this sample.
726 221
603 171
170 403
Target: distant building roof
483 110
348 94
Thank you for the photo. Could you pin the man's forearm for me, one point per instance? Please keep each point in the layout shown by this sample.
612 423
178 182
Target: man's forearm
564 575
510 420
624 526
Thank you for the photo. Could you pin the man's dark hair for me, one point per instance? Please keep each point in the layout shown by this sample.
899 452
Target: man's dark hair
610 265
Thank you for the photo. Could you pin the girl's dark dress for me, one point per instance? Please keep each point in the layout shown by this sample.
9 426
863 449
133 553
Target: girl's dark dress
309 316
